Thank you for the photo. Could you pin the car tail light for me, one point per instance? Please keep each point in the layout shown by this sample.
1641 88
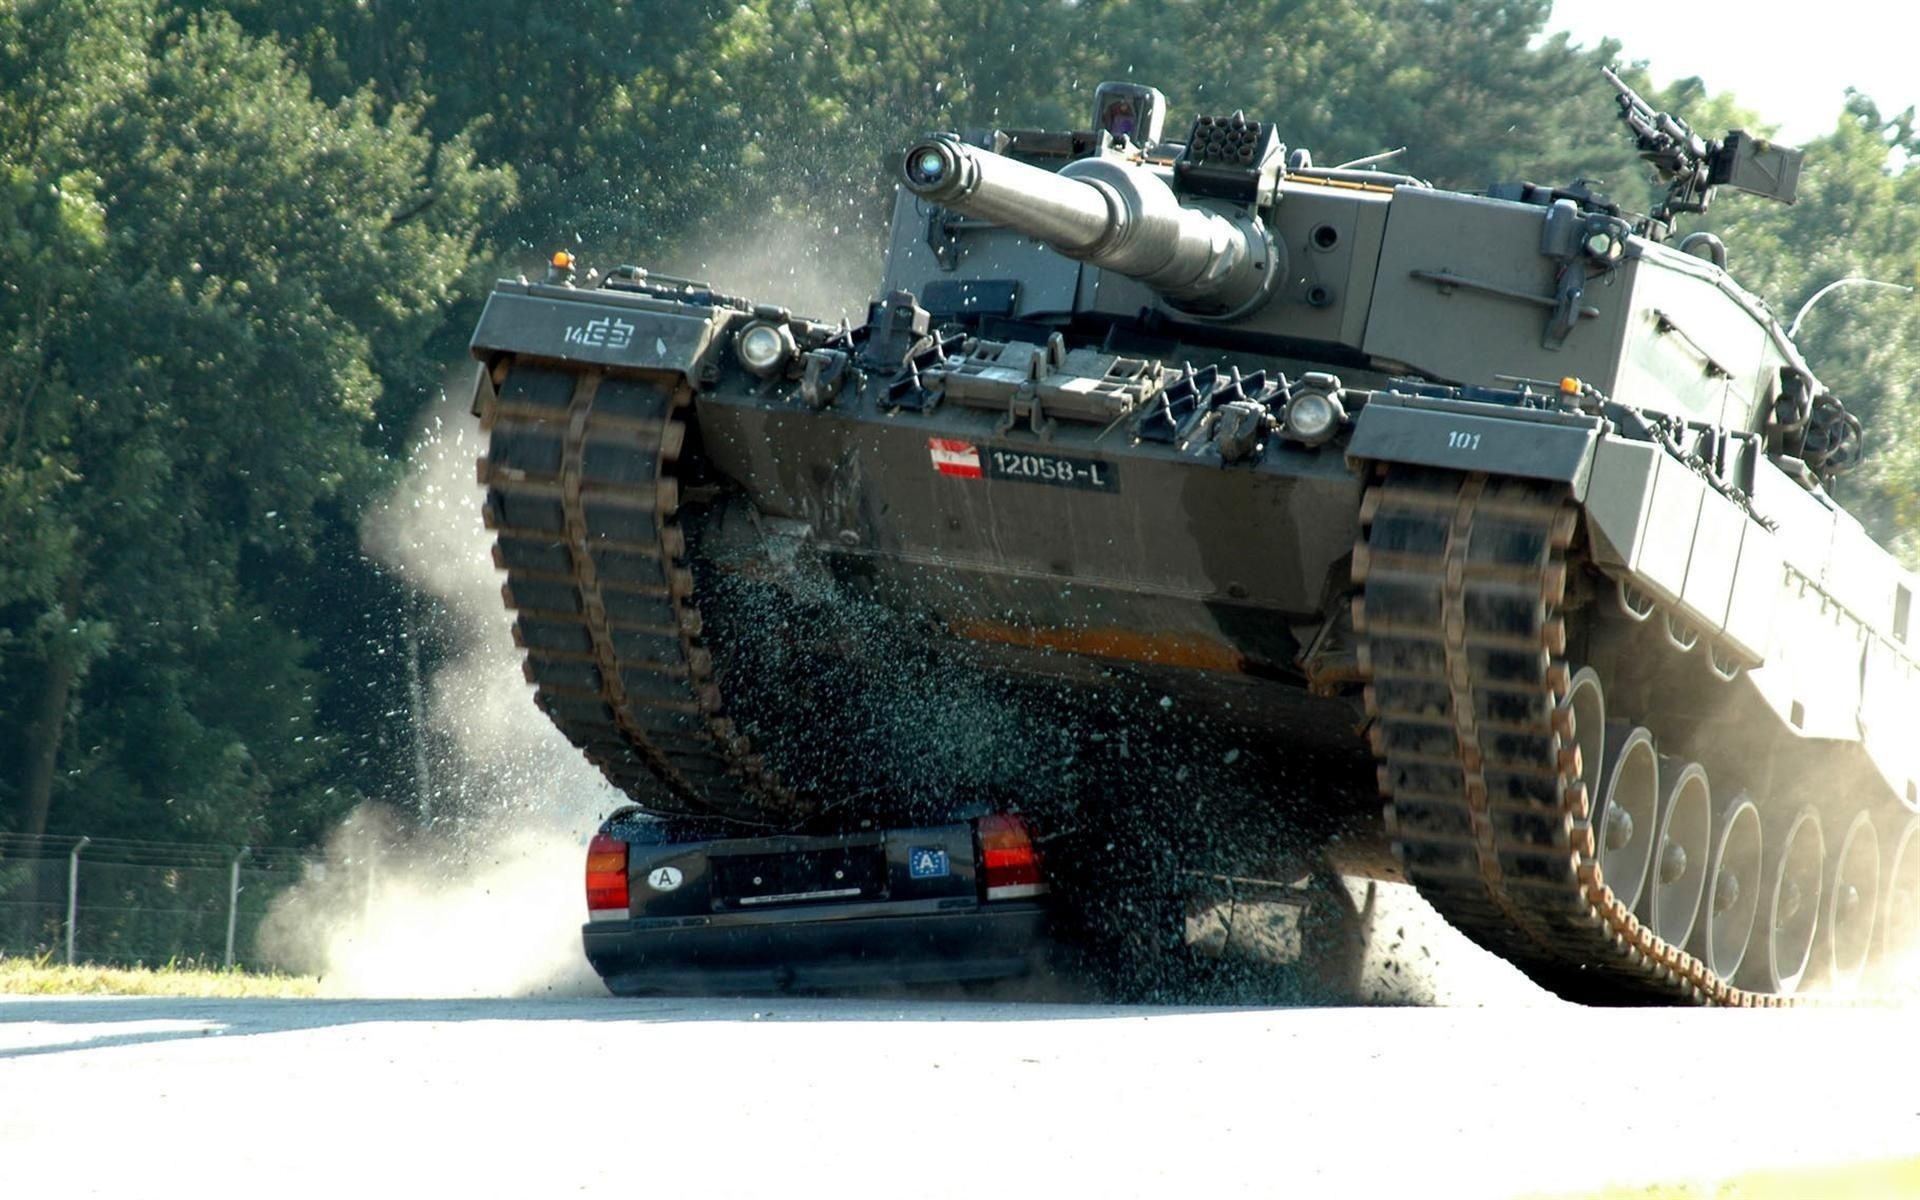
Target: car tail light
1009 863
606 877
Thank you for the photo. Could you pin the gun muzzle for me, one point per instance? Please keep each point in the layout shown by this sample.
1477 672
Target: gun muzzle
1109 213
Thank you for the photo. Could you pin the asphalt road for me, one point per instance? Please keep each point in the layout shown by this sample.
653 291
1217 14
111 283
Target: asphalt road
670 1098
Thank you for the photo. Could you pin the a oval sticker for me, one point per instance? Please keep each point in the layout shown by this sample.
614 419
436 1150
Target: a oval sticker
665 879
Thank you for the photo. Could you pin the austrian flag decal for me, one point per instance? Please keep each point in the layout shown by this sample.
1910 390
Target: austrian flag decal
951 457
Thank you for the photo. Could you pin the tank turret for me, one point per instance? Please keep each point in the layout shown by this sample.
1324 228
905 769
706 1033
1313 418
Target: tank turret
1110 212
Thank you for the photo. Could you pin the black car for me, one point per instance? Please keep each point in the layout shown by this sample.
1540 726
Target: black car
956 903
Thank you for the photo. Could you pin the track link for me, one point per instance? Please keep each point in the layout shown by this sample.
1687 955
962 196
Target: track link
583 496
1461 637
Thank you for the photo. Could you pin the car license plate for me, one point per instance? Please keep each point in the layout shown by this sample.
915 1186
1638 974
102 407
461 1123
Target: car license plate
833 873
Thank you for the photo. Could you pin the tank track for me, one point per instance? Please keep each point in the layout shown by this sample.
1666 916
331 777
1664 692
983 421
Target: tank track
1464 578
583 496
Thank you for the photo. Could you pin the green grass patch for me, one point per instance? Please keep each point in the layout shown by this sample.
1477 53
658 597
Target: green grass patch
1863 1181
42 977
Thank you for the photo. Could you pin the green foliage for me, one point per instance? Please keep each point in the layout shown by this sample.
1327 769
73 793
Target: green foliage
244 277
1858 216
63 63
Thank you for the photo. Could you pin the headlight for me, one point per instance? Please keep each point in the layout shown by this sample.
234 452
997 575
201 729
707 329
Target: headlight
764 348
1313 417
1604 238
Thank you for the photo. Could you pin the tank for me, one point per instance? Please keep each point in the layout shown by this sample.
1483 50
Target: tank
1504 520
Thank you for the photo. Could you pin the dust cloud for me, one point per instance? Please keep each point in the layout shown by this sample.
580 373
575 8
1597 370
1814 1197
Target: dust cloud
494 912
823 271
478 891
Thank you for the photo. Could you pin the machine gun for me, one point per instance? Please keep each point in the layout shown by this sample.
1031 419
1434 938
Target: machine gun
1693 166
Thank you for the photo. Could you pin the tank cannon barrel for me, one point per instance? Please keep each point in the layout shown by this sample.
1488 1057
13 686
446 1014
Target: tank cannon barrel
1113 214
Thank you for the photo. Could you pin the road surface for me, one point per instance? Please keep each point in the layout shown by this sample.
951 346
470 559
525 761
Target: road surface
714 1098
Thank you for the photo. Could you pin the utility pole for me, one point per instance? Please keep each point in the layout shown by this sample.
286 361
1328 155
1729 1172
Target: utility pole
73 892
233 900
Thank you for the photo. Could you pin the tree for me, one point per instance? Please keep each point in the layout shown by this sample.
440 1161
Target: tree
61 66
1858 215
259 261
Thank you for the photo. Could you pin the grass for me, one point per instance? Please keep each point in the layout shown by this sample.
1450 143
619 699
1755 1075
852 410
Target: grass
42 977
1868 1181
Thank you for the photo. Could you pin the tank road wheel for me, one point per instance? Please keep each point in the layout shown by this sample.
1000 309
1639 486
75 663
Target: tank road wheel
1897 940
1794 853
1581 718
1725 927
1624 819
1851 900
1679 873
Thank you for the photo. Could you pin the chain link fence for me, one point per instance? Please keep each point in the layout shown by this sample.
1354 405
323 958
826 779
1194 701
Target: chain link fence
121 902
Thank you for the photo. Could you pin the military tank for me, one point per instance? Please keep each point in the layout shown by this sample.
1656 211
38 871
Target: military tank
1516 500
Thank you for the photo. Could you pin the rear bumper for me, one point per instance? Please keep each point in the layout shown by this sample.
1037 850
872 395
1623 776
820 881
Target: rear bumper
998 941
